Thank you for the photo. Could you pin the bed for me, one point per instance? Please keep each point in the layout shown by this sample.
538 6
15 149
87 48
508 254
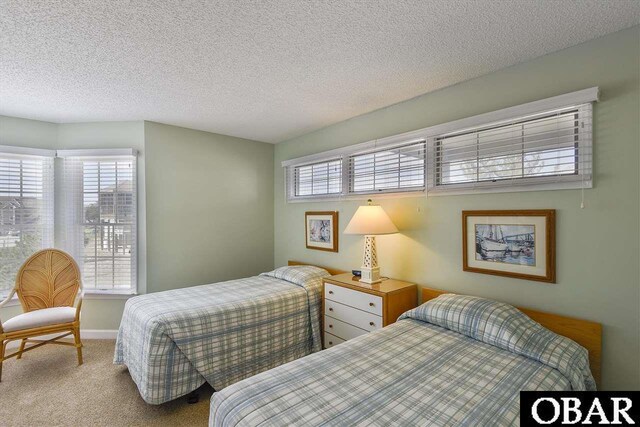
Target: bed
454 360
172 342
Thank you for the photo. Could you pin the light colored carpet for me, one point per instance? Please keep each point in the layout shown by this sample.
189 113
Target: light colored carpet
47 387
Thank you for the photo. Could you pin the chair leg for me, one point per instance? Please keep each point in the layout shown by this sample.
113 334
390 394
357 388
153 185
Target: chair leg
22 343
2 350
76 336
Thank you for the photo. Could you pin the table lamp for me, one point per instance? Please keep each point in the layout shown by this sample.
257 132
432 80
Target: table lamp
370 221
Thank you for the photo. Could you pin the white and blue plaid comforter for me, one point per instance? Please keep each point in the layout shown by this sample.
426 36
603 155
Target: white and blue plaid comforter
413 372
174 341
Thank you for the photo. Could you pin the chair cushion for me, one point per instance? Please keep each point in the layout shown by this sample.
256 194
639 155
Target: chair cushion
37 318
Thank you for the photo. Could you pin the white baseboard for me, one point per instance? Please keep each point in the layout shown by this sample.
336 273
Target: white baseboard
99 334
86 334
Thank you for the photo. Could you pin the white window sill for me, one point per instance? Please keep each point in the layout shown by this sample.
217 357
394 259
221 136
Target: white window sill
97 294
567 184
375 196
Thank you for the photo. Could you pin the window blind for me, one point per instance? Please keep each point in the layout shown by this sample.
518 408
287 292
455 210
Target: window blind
100 214
541 145
388 170
26 210
322 178
400 168
548 147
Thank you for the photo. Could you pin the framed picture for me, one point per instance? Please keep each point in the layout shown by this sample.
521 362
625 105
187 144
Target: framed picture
512 243
321 230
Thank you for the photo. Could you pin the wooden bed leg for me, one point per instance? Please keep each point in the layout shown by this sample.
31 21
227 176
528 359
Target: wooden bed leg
76 336
22 343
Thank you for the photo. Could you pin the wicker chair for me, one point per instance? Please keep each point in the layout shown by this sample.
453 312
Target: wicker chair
47 285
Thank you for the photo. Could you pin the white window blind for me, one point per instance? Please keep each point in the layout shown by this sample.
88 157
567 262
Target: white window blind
26 209
540 145
388 170
318 179
100 214
549 147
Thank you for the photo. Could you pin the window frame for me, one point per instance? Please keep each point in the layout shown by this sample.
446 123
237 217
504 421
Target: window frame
351 175
584 179
295 179
347 193
581 177
47 226
76 198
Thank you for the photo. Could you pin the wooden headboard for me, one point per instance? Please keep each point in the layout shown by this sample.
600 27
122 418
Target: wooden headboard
586 333
332 271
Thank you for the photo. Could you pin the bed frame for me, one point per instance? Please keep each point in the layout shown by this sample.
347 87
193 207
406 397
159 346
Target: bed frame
586 333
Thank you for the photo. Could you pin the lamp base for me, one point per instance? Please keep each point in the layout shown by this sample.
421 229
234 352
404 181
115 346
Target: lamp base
370 275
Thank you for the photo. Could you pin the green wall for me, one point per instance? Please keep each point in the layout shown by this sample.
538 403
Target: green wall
200 232
209 205
28 133
597 247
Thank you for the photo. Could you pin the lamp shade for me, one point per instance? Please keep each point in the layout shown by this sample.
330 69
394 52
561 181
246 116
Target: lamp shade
370 220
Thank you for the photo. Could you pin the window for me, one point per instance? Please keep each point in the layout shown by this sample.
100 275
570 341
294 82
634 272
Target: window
318 179
550 147
373 170
388 170
100 219
26 208
541 145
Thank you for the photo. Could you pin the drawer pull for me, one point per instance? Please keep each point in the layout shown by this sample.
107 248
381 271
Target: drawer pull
330 308
331 326
372 324
330 292
371 304
330 342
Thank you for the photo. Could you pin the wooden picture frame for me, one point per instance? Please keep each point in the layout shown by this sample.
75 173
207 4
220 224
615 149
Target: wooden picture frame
511 243
321 230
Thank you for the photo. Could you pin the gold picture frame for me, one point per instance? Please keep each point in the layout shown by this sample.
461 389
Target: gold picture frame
321 230
511 243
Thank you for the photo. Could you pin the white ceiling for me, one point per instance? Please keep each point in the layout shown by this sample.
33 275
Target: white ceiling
268 70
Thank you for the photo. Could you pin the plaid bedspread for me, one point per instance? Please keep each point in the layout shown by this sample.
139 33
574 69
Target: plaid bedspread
409 373
174 341
504 326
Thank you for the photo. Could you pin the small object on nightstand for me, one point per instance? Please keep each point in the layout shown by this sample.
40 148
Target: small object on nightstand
352 308
356 273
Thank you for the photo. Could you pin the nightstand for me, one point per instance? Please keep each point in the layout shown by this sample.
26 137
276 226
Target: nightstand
352 308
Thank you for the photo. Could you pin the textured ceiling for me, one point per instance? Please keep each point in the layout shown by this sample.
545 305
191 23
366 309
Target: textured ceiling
268 70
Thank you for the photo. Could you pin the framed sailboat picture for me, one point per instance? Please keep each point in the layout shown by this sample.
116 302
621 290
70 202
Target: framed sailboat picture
512 243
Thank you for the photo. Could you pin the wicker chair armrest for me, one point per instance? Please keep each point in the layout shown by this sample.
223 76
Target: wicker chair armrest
8 298
79 303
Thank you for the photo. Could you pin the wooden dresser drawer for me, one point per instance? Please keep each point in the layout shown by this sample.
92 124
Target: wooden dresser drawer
331 340
341 329
353 316
356 299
